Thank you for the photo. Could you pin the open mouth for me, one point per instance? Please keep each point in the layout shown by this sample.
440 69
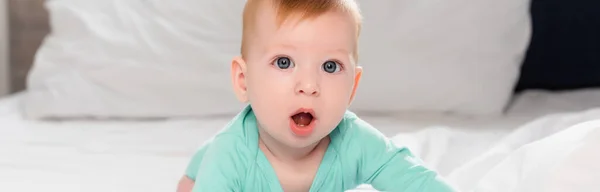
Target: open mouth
303 119
302 123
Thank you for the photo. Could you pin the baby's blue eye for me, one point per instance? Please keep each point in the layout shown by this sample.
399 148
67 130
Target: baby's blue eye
331 67
283 62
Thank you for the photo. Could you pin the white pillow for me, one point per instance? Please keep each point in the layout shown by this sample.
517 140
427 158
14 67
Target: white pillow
459 56
152 58
136 59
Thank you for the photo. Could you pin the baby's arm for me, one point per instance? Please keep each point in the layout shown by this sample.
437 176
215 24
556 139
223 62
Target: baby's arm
185 184
216 167
398 170
387 167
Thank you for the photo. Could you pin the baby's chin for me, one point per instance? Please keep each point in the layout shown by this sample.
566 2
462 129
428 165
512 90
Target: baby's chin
294 141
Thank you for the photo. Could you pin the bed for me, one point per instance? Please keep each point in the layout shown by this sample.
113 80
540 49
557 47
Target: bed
149 154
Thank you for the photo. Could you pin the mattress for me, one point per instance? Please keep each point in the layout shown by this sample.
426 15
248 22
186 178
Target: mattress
151 156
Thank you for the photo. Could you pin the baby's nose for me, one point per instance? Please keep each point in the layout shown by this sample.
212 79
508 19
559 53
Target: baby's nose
310 89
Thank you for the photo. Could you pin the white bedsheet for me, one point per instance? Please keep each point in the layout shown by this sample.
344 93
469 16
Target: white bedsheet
527 158
563 161
151 156
95 156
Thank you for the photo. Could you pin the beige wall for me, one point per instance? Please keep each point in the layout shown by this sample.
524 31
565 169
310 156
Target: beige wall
4 77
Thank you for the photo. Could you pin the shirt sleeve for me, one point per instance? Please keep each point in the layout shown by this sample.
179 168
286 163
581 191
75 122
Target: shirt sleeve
387 167
222 165
194 164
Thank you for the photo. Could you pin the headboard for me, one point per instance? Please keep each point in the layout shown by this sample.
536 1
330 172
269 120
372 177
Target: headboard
28 25
564 52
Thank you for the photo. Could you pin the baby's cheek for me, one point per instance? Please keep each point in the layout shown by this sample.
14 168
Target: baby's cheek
338 93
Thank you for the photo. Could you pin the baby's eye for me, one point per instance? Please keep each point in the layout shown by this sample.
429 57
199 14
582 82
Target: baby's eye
283 62
331 67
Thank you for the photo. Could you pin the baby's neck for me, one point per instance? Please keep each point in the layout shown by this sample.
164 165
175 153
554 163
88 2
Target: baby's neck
289 154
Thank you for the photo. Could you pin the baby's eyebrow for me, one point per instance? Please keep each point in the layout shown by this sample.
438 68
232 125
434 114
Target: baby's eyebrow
341 50
287 46
281 46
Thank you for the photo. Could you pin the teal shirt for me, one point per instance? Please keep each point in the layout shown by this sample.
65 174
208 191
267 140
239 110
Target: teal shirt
357 154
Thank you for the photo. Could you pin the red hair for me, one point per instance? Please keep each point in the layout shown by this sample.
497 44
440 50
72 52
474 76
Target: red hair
306 9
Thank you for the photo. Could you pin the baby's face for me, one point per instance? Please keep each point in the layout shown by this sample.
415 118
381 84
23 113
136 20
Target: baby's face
304 66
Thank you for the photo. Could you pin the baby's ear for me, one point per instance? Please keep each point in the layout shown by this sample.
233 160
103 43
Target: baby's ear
238 77
357 75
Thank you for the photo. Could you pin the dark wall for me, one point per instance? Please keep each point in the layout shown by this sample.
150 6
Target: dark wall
564 53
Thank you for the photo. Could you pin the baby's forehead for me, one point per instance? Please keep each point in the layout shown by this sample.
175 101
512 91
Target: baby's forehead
328 31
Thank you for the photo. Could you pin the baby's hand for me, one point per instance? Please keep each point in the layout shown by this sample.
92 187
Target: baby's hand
185 184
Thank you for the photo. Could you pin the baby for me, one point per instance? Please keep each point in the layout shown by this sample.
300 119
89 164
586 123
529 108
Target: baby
298 72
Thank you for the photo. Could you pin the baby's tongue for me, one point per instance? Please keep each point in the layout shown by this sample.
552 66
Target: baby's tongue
302 119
